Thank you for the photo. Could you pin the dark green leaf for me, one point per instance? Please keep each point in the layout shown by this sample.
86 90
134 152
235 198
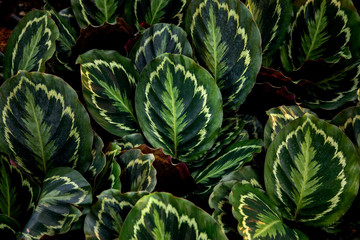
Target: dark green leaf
227 42
9 227
312 171
158 39
43 124
1 66
64 189
162 216
179 106
31 44
109 82
130 141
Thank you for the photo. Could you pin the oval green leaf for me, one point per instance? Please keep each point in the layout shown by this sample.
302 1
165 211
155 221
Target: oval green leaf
44 125
31 44
228 43
162 216
106 217
158 39
312 171
257 215
348 121
64 189
179 107
109 82
96 12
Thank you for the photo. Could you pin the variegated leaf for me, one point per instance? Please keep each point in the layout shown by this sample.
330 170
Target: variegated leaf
227 42
162 216
257 215
109 82
179 106
137 171
231 159
130 141
158 39
17 193
348 121
9 227
96 12
106 217
152 12
219 198
320 30
278 118
273 18
312 171
31 44
63 190
43 124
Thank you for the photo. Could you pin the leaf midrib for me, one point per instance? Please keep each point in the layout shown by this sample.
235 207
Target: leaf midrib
156 11
266 228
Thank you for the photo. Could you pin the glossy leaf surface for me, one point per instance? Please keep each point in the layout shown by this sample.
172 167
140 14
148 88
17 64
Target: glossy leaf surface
348 121
162 216
31 44
158 39
232 53
109 82
43 124
308 158
178 106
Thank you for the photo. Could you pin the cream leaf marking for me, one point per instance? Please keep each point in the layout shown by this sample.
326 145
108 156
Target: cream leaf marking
29 50
4 226
168 209
84 13
309 180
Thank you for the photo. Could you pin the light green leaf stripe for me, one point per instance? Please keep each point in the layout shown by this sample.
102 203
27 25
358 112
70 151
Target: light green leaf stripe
178 106
109 81
162 216
31 44
307 157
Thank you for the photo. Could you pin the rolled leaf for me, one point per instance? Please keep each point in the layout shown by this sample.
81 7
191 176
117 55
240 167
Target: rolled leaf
98 160
152 12
273 18
109 82
9 227
312 171
320 30
258 217
179 107
279 117
219 198
63 190
158 39
31 44
43 124
17 193
162 216
227 42
96 12
137 171
106 217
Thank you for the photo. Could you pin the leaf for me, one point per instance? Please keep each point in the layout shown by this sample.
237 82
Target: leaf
279 117
43 124
1 67
312 171
31 44
152 12
109 82
130 141
158 39
17 193
178 106
227 42
228 161
9 227
258 217
97 12
348 121
137 171
162 216
219 198
320 30
273 18
106 217
64 189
